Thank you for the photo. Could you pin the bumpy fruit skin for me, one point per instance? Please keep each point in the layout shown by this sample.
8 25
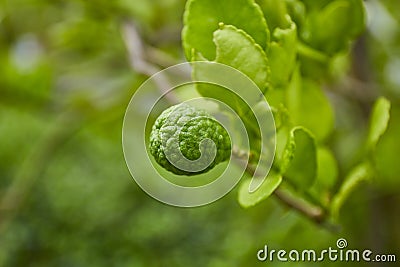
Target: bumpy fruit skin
195 125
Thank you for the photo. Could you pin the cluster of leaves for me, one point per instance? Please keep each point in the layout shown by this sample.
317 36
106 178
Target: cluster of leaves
288 48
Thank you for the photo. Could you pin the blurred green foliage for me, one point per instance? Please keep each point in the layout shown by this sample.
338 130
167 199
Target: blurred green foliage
66 196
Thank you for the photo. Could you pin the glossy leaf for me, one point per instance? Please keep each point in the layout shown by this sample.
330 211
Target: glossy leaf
299 159
274 13
358 16
297 11
202 17
238 50
359 174
327 173
329 28
386 154
247 199
282 137
379 121
309 107
327 170
282 55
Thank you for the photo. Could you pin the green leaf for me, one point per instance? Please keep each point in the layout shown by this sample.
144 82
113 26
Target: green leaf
379 121
309 106
357 11
360 173
327 170
331 28
297 11
386 154
288 151
328 26
247 199
327 173
274 13
202 17
238 50
282 55
299 159
282 137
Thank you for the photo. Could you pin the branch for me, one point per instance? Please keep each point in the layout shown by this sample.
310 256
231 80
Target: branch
317 214
138 63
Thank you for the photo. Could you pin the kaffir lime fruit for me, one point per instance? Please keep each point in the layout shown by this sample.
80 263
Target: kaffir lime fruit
183 127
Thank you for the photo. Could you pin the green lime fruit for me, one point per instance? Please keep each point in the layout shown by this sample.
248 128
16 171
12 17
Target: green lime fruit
187 141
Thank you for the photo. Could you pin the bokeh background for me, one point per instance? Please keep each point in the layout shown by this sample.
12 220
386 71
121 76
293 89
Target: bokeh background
67 72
